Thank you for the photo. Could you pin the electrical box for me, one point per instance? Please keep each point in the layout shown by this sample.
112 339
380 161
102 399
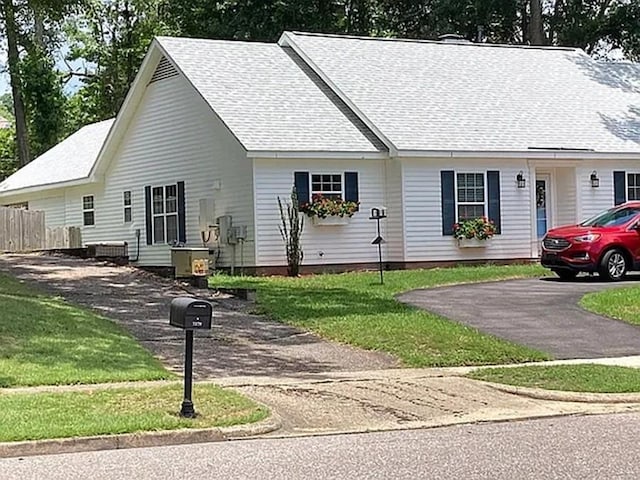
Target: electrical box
240 232
225 224
190 314
207 215
190 261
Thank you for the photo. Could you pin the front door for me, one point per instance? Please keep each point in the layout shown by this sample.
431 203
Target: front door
543 220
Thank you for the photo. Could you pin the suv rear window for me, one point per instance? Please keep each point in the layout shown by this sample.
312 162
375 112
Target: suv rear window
612 217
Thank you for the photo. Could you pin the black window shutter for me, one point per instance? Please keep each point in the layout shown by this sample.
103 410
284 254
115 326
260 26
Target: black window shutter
182 220
351 186
493 190
619 193
447 186
148 217
301 182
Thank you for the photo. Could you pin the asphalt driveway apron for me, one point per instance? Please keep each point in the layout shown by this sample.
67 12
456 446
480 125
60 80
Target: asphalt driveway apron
540 313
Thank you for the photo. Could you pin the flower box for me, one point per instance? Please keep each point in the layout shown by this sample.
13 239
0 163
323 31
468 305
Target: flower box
472 243
330 221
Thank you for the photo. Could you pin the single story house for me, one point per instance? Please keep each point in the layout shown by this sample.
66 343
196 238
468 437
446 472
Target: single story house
213 132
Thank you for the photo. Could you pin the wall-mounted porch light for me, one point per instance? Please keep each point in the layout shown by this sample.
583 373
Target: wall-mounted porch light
520 180
595 181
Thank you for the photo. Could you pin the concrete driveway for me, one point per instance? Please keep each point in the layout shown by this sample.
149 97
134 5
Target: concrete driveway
540 313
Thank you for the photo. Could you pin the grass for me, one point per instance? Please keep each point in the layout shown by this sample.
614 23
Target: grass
354 308
619 303
46 341
574 378
113 411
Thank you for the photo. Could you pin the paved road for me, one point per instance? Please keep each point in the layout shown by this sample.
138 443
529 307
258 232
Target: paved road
585 448
238 344
541 313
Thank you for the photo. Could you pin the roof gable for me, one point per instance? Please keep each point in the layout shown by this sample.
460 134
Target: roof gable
264 98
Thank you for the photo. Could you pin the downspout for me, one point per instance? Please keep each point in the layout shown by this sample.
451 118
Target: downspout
137 247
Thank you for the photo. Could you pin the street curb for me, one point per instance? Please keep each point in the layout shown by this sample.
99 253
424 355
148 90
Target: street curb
562 396
139 439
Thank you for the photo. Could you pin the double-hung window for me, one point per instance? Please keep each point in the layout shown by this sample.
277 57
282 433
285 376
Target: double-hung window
88 211
633 186
127 206
327 185
165 214
470 196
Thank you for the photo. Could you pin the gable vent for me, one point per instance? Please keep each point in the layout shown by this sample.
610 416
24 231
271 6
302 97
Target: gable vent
163 71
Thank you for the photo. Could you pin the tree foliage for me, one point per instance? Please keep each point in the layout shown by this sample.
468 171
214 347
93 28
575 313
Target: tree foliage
110 38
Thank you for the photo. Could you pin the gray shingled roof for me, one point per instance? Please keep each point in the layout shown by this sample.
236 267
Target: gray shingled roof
264 98
470 97
71 159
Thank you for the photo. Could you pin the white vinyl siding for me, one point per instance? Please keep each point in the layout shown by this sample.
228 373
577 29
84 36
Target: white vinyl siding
394 222
53 208
423 213
341 244
174 136
564 195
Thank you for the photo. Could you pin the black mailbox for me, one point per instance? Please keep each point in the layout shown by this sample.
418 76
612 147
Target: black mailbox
190 314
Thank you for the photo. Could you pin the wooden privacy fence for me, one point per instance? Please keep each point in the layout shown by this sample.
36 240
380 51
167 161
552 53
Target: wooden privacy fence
63 237
24 231
21 230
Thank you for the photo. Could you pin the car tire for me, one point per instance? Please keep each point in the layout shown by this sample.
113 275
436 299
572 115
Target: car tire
613 265
565 275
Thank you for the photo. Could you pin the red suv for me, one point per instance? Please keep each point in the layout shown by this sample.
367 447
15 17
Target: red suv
608 244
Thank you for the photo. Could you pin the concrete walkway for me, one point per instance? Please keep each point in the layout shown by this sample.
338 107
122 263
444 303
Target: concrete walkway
238 344
540 313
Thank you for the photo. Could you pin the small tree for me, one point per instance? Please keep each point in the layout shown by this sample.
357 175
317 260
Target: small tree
291 232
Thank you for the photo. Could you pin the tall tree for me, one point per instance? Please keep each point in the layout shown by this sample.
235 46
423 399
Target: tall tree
536 32
13 61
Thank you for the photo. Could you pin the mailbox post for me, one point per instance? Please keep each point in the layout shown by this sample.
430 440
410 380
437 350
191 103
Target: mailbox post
189 314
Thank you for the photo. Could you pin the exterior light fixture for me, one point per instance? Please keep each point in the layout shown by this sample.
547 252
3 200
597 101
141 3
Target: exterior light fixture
595 181
522 182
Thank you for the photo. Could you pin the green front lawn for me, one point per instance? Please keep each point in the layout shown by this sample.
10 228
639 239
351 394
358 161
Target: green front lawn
113 411
619 303
46 341
575 378
354 308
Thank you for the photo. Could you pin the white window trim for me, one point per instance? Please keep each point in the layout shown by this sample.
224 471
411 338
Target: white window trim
164 214
455 188
86 210
314 192
626 186
125 207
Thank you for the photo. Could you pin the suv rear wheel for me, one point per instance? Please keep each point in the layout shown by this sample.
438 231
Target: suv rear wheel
613 265
565 274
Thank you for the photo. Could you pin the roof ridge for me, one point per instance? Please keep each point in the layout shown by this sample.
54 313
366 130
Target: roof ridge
211 40
435 42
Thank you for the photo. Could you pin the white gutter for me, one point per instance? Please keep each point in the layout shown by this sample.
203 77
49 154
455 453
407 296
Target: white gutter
317 154
50 186
533 154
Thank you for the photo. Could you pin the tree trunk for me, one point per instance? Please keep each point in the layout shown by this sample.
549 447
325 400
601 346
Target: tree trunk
537 34
13 61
